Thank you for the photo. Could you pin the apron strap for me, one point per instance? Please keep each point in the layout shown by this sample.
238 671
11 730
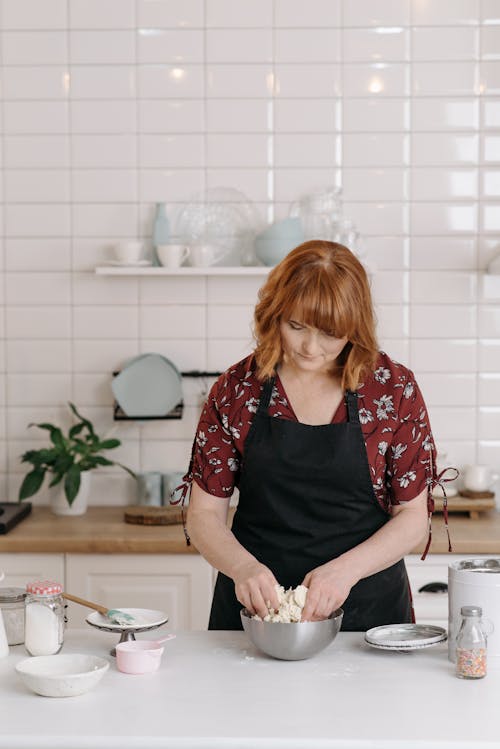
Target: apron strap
351 401
265 396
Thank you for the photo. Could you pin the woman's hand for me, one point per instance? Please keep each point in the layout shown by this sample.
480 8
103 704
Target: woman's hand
255 587
329 586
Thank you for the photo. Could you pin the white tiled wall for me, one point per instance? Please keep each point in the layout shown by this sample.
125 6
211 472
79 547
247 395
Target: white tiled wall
112 105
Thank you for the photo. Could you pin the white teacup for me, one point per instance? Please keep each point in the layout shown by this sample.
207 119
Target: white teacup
204 255
479 478
128 252
172 255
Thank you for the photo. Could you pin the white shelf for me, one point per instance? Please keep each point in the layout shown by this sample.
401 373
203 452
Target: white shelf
149 270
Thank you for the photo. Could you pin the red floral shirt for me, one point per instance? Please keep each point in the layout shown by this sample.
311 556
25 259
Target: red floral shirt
392 412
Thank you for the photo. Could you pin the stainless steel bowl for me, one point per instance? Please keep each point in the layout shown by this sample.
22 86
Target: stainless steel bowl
294 641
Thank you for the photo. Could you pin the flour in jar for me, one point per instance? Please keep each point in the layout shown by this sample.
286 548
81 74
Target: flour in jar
291 602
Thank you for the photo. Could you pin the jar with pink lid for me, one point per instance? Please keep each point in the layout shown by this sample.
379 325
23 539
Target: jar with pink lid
44 621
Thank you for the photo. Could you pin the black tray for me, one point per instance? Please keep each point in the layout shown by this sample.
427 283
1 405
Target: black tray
11 513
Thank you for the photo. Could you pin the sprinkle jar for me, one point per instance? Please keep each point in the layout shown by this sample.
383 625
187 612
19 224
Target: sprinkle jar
12 608
471 644
44 627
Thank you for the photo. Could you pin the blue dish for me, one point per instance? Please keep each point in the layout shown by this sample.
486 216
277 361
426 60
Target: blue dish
148 385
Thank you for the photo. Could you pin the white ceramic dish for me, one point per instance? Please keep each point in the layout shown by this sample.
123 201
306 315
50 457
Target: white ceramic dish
144 619
148 385
65 675
405 636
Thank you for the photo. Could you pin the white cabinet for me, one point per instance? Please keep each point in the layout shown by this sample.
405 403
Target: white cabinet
21 568
178 584
432 607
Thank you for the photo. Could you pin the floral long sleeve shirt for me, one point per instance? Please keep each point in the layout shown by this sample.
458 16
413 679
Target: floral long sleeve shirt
392 413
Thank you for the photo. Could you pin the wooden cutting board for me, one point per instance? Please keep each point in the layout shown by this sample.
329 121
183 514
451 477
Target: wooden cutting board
473 506
140 515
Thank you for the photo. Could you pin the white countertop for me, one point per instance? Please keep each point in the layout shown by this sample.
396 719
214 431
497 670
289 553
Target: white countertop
215 691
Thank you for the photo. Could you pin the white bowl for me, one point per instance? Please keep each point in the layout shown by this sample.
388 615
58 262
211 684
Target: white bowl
62 675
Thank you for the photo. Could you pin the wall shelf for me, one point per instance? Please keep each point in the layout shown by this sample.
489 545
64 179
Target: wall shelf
216 270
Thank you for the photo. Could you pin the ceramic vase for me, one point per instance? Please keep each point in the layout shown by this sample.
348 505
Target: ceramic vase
60 505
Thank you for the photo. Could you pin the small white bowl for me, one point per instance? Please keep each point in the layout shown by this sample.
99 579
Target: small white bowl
62 675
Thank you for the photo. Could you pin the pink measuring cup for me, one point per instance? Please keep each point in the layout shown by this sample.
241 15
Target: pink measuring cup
140 656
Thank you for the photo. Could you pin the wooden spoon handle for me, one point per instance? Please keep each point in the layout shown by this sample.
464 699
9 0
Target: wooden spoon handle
88 604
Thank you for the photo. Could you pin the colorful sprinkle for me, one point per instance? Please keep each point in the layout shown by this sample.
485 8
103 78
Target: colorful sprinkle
471 664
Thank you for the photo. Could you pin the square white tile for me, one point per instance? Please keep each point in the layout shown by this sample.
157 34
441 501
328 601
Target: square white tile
446 287
36 151
307 45
32 14
102 14
307 81
445 79
389 44
103 151
175 46
445 13
34 48
441 43
165 14
111 47
171 116
440 320
444 184
239 46
384 115
170 81
36 117
103 82
376 13
172 321
103 117
226 13
376 80
444 114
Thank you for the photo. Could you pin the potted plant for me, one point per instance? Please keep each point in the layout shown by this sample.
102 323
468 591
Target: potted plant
68 459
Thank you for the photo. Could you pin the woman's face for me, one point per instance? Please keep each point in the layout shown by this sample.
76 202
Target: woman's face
308 348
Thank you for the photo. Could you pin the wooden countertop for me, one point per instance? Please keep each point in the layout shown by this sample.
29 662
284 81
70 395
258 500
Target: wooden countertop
102 530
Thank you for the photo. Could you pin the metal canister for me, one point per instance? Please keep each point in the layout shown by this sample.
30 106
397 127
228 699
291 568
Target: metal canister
475 582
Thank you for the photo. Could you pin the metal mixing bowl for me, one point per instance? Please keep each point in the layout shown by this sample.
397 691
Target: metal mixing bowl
294 641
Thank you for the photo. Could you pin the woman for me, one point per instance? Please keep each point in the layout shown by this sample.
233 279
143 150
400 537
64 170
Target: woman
329 443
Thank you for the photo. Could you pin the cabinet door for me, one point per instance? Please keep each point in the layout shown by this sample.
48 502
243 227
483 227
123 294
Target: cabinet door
178 584
21 568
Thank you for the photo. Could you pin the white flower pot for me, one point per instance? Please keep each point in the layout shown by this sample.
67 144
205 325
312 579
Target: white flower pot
60 505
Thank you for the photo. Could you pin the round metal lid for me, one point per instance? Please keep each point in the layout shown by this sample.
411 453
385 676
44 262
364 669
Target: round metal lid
12 595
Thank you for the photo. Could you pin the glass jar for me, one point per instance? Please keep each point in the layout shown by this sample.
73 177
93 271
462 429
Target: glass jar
12 608
471 644
44 623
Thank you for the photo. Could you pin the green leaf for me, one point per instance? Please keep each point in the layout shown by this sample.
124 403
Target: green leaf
76 429
82 419
31 483
72 483
108 444
101 461
57 479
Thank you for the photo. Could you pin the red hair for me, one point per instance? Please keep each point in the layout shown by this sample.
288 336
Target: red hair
328 287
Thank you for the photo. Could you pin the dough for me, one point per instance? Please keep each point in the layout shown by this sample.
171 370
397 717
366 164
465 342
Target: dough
291 603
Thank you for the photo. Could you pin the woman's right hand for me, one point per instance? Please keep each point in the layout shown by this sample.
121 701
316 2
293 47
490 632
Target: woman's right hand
255 587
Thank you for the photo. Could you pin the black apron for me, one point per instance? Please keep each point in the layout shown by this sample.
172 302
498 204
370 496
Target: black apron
306 497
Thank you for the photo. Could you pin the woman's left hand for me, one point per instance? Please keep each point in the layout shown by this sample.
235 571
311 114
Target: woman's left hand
329 586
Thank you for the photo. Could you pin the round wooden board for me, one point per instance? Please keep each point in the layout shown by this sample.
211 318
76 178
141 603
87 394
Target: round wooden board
477 495
140 515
